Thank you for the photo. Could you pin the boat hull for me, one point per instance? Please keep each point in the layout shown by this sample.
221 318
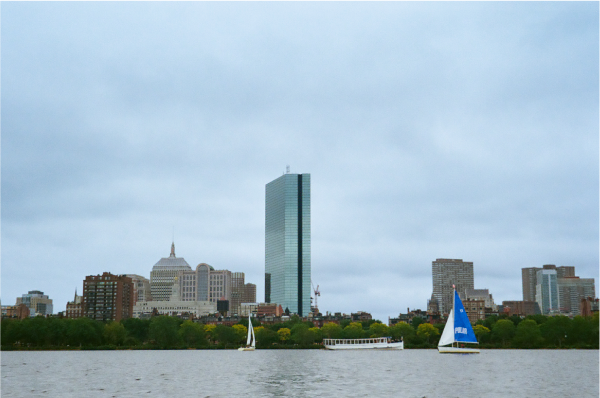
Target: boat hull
458 350
372 346
246 349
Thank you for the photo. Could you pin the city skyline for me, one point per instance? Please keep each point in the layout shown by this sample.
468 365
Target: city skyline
437 130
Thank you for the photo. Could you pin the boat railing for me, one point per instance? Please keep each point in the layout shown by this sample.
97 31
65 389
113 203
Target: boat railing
372 340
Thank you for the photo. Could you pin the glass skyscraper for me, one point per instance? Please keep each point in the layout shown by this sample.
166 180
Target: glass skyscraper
287 243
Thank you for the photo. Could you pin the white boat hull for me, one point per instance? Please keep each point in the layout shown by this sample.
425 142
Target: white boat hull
458 350
367 346
246 349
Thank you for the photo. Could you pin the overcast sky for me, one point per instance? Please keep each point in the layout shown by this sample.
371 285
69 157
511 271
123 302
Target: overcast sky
431 130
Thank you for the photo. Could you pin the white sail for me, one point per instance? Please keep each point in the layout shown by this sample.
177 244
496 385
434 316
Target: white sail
448 333
250 333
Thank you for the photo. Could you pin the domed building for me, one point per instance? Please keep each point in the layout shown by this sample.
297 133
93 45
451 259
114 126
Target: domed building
164 274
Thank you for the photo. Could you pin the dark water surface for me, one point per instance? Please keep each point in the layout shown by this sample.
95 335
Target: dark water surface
300 373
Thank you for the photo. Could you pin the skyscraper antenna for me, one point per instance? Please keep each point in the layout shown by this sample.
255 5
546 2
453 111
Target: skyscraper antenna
287 169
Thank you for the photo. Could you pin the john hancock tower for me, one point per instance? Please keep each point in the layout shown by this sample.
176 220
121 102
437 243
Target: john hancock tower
287 242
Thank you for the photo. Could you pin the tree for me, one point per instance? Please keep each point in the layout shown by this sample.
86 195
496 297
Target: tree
84 332
404 331
265 337
555 329
192 334
114 333
345 322
416 321
503 330
490 321
482 333
241 331
594 335
35 330
164 331
331 330
427 331
379 330
137 329
353 331
227 336
528 334
284 334
318 334
210 332
56 331
579 331
302 335
367 324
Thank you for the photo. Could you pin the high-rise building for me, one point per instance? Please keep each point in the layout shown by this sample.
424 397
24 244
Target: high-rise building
546 292
448 272
107 297
571 290
529 278
37 302
164 273
205 284
287 242
241 292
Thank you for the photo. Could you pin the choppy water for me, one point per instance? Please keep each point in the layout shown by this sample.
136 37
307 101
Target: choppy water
300 373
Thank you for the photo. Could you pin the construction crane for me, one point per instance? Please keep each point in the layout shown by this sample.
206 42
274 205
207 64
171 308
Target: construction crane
316 292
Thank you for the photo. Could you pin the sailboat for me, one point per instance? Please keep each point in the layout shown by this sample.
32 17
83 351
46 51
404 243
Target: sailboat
458 330
251 340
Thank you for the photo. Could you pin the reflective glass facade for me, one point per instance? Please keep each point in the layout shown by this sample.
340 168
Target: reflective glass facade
287 243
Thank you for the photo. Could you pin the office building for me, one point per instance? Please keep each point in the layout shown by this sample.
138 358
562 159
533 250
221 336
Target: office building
546 292
448 272
241 292
164 273
571 290
529 278
141 288
37 302
107 297
205 284
481 294
287 243
174 305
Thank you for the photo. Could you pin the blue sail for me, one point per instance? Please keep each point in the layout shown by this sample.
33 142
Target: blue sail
463 332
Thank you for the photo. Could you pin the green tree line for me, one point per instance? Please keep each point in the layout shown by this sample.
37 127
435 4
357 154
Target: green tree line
164 332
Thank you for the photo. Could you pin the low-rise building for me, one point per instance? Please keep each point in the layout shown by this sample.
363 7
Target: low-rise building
74 308
588 306
521 307
481 294
475 309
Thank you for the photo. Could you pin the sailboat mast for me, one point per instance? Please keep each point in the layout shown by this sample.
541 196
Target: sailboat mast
454 310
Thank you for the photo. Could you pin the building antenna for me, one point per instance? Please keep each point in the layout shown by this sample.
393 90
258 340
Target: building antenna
287 169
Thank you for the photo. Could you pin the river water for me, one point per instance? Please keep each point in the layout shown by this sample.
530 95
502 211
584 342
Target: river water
300 373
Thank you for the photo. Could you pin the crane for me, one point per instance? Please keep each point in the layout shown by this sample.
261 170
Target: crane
317 293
